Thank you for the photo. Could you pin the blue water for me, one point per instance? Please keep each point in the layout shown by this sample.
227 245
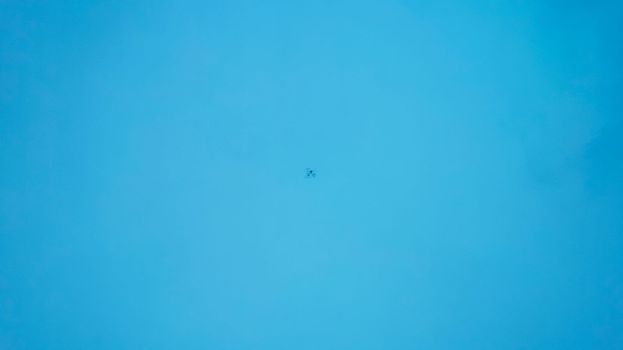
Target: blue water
154 190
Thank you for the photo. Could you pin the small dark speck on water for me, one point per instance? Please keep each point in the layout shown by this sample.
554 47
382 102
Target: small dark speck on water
310 173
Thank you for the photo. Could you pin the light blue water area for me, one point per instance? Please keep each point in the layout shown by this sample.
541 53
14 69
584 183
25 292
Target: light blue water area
155 192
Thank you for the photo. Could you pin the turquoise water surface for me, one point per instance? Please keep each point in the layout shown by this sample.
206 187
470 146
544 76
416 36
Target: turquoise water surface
316 175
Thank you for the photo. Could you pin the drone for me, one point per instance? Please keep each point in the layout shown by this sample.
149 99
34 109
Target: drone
310 173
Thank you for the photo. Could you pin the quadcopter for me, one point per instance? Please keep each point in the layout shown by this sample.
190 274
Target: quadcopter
310 173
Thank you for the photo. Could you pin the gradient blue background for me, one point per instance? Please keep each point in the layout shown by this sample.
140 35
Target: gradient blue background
469 191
